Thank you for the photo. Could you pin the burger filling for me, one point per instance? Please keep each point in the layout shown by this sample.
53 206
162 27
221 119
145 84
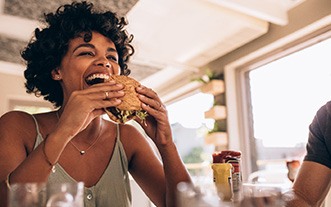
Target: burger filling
125 115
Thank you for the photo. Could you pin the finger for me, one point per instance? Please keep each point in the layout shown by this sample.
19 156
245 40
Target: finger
246 202
96 100
159 115
102 87
103 95
151 106
148 93
271 200
259 202
104 103
150 98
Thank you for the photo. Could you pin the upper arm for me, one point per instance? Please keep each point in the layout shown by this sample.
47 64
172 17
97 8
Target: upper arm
12 142
312 182
145 166
319 141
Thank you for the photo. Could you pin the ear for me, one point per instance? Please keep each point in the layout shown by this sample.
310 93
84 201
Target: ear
56 74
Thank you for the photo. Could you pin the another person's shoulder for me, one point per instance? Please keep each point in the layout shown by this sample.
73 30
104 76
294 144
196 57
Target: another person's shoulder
327 107
324 110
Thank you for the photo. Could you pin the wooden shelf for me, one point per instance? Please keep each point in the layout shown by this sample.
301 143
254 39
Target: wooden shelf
213 87
216 112
217 138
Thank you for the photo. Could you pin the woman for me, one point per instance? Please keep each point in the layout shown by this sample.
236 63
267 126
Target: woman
74 143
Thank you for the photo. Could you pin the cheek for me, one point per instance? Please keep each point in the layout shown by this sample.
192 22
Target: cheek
73 77
116 70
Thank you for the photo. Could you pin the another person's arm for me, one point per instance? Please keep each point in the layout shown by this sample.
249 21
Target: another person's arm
310 187
314 178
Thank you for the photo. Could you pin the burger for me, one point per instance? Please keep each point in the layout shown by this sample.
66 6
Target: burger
130 107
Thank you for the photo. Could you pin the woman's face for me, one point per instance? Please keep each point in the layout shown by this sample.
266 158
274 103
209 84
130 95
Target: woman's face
87 60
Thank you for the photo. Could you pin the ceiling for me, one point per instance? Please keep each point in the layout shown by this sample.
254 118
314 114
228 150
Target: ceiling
173 38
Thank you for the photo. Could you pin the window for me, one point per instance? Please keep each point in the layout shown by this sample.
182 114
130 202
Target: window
189 127
285 94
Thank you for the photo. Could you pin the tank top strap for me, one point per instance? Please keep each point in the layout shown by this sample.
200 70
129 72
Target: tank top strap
37 125
122 154
118 133
39 137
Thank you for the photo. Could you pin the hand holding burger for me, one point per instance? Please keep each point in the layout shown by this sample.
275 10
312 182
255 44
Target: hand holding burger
130 106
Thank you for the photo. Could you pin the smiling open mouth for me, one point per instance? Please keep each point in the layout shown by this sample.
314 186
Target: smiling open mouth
97 78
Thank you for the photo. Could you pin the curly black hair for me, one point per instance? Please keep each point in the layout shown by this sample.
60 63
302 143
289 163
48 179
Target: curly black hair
49 45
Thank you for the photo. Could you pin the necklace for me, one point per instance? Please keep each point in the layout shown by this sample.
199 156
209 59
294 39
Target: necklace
82 152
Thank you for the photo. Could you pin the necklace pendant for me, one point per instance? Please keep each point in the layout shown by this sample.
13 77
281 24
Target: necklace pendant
82 152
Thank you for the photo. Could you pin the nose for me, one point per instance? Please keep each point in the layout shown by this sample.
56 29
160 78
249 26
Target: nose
103 63
101 60
110 65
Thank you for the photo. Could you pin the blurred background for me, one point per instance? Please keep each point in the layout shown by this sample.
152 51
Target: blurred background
244 75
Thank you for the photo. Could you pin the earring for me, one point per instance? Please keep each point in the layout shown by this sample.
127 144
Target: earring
57 77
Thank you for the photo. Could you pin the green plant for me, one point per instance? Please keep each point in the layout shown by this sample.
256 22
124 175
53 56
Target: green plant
195 156
207 77
219 126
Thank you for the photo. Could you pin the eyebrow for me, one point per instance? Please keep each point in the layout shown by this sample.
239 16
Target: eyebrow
110 49
84 45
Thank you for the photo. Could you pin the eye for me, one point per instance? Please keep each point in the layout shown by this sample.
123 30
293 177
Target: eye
112 58
86 53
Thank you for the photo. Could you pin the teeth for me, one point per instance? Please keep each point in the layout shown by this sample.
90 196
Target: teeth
98 75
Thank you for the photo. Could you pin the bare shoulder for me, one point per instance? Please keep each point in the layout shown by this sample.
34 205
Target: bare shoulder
13 118
15 114
16 123
133 140
130 134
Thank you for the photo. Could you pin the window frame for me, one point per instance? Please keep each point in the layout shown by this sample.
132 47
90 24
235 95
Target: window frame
240 120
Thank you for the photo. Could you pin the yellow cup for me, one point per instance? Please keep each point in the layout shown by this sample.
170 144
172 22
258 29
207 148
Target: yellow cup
222 174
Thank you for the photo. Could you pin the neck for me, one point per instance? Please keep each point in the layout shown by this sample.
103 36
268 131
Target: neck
90 132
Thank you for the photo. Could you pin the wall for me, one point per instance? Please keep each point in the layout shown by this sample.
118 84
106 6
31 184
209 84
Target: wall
12 88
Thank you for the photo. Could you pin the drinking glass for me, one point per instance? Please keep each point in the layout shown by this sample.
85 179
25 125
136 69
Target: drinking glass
260 195
65 195
27 195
